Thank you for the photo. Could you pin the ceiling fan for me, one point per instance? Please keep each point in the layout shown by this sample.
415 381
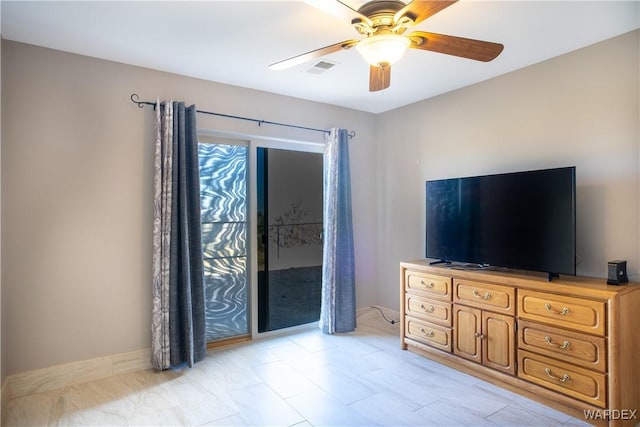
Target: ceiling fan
384 22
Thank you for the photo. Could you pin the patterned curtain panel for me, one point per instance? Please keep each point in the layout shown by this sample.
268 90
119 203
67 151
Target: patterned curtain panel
338 307
178 313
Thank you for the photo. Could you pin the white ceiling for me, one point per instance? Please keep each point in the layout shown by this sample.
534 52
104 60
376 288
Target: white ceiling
233 42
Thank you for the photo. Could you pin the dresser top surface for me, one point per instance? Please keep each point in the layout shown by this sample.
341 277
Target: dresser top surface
594 287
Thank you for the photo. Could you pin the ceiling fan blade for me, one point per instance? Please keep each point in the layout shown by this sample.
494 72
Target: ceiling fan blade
456 46
338 9
356 16
379 77
300 59
419 10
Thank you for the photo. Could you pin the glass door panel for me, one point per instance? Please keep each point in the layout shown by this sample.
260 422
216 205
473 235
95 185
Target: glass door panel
224 208
289 186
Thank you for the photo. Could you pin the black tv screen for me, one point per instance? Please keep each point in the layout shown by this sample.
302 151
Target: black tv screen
522 220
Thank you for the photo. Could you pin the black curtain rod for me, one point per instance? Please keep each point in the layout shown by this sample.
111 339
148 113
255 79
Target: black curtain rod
136 100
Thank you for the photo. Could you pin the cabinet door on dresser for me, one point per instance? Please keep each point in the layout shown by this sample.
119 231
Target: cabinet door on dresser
498 342
485 337
467 327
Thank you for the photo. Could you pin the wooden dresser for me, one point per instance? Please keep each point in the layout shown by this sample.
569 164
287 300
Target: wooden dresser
572 344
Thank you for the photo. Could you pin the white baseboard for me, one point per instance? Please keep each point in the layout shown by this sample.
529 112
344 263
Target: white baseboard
4 401
54 377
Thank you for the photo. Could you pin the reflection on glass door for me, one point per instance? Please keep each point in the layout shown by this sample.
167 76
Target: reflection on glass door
289 186
223 201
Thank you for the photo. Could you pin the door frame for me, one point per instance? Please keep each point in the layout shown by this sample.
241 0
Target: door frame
254 142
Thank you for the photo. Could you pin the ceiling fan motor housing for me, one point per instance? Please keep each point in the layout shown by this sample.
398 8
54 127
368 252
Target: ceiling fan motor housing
381 14
372 8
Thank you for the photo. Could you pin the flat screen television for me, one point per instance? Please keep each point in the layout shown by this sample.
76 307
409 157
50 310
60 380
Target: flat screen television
521 220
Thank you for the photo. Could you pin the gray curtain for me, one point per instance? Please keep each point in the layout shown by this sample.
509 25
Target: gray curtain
338 306
178 314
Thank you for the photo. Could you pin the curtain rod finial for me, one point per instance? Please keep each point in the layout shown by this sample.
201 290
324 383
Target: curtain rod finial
136 100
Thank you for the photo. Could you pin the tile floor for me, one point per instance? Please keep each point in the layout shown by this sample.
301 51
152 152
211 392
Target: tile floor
302 379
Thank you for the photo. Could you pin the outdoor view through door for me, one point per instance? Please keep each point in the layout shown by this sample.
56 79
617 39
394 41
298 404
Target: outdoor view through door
224 208
289 186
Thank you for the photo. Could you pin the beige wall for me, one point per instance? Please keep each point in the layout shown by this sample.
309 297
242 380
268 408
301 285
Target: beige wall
77 196
577 109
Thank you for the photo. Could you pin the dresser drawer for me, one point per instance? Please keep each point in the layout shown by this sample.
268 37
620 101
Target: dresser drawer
567 312
497 298
565 378
428 333
580 349
431 310
438 287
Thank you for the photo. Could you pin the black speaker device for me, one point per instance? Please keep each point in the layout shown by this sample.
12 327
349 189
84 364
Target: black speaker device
617 272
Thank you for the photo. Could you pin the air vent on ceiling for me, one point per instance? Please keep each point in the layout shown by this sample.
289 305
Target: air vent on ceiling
320 67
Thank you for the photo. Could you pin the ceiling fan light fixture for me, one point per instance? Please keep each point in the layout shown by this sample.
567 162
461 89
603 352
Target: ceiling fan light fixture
383 49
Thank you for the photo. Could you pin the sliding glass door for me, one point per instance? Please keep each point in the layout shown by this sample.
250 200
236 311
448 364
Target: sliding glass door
284 226
289 215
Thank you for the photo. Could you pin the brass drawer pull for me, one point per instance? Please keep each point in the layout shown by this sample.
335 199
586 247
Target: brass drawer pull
562 346
562 312
564 378
427 334
430 285
431 308
477 295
